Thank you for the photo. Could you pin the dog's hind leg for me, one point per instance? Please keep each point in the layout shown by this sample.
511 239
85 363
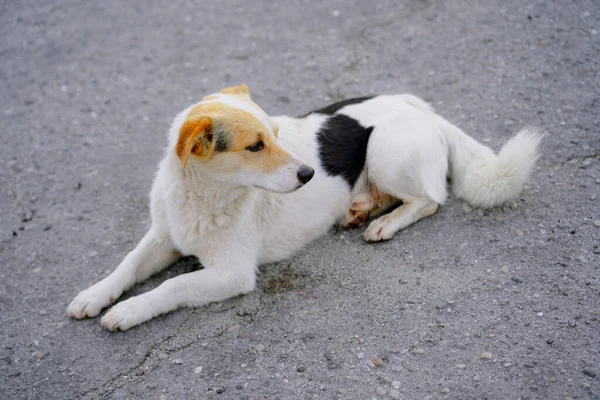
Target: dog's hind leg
368 204
152 254
384 228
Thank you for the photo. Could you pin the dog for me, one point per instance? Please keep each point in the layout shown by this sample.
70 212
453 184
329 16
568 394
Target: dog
238 189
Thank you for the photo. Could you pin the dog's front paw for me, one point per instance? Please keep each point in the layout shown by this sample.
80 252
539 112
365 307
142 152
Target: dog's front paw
91 301
379 230
127 314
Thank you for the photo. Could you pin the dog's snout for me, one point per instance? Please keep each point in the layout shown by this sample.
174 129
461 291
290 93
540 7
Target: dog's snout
305 174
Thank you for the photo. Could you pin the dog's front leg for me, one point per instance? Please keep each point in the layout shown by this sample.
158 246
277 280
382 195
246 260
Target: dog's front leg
188 290
154 252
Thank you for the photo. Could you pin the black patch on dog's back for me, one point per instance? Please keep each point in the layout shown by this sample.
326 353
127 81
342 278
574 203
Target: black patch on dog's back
335 107
343 146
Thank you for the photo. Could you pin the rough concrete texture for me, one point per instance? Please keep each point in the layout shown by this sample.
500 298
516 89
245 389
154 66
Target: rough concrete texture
467 304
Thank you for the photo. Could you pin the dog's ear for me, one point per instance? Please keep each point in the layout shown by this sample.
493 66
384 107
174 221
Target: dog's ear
195 137
240 90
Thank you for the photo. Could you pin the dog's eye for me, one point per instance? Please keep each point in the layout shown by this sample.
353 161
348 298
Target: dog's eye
258 146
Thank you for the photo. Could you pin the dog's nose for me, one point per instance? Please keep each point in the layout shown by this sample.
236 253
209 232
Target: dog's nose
305 173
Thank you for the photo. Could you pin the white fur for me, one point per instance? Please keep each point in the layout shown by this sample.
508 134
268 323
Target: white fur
233 228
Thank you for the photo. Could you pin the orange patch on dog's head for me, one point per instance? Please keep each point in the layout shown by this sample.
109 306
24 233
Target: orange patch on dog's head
195 137
239 90
217 127
246 131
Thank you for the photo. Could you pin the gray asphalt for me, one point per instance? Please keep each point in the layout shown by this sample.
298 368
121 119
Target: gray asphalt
88 92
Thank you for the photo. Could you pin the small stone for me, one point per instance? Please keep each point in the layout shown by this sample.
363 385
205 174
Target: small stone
162 397
396 384
197 370
529 365
360 355
380 391
504 269
301 368
550 341
461 366
394 394
204 344
486 355
220 390
419 351
466 208
39 355
412 368
507 364
589 372
152 385
260 347
519 232
343 390
553 379
378 362
176 361
597 222
139 372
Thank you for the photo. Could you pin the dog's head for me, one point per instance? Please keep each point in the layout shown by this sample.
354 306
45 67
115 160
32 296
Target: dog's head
233 140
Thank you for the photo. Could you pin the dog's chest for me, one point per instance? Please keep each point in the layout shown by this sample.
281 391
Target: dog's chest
198 227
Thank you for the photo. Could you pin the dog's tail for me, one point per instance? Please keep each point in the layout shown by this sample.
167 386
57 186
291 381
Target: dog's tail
485 179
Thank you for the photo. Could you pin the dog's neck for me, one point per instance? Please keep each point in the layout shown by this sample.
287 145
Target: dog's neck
207 190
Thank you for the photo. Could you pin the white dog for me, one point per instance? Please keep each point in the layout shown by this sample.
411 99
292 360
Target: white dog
231 190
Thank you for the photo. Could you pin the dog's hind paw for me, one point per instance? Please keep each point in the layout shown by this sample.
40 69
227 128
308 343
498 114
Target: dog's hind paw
358 214
354 219
379 230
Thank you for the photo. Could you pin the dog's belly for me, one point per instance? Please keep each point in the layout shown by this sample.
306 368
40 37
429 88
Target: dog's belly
304 216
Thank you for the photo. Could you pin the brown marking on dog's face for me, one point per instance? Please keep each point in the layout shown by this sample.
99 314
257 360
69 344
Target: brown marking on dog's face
226 141
252 145
195 138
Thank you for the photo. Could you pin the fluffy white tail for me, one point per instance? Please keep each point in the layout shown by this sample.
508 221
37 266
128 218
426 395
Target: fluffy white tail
485 179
